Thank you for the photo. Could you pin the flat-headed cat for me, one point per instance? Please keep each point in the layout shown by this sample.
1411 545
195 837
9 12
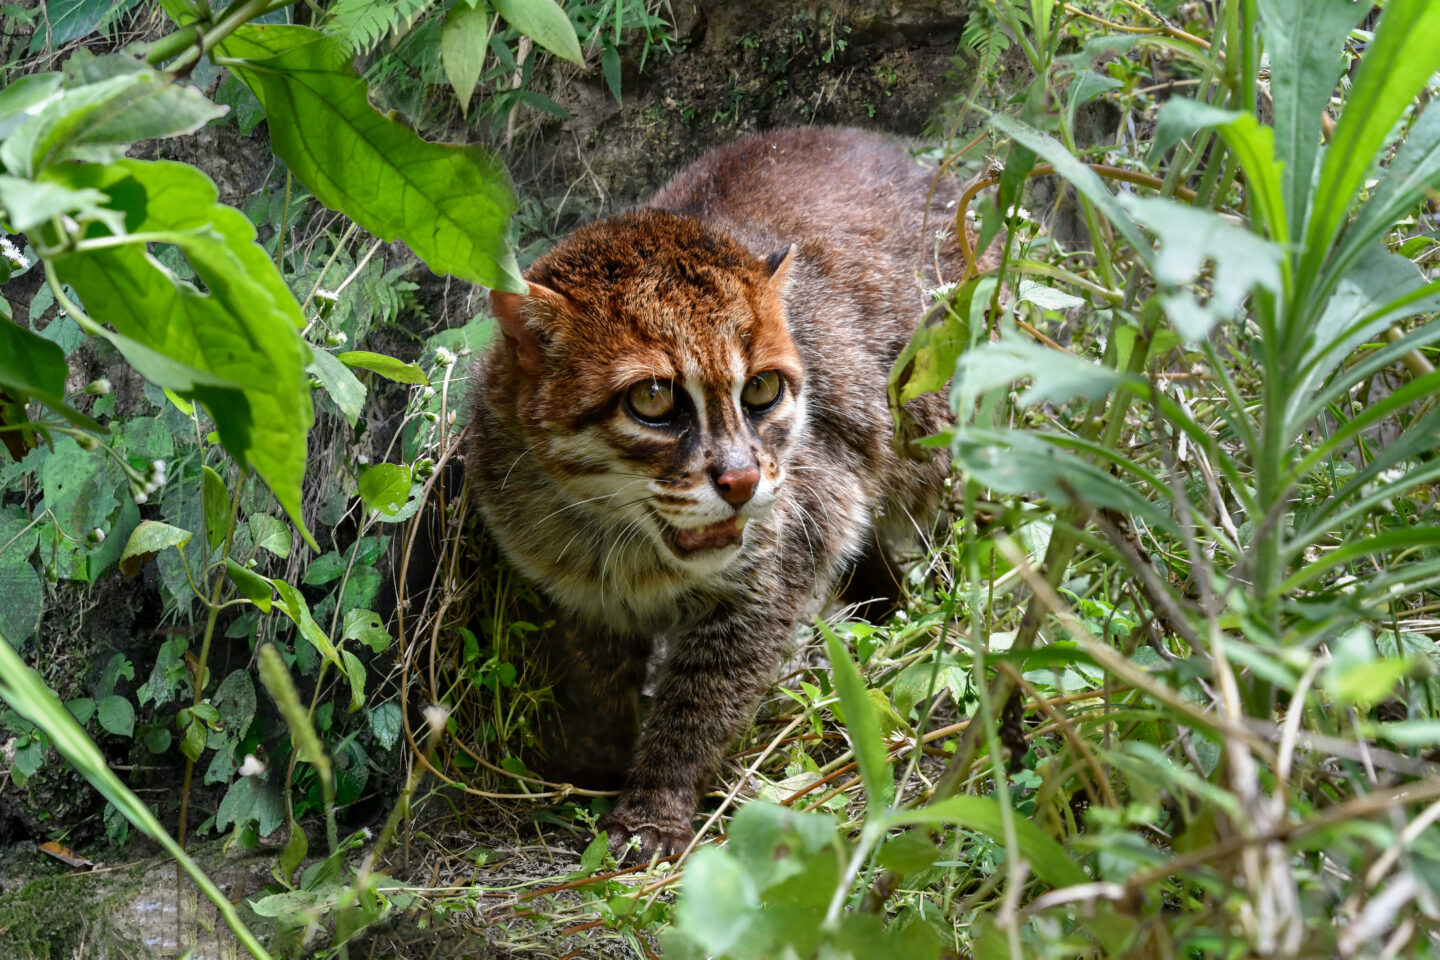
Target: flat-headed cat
684 433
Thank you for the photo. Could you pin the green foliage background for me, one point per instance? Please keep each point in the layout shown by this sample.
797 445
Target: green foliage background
1166 685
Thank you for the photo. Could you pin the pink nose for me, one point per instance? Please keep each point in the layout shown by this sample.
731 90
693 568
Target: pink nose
737 485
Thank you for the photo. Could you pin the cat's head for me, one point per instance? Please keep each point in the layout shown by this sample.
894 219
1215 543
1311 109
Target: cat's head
656 381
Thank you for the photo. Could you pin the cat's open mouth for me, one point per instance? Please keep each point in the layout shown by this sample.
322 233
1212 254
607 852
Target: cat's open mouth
716 536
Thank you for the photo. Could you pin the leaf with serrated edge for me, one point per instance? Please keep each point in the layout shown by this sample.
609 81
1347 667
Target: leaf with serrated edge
243 330
449 203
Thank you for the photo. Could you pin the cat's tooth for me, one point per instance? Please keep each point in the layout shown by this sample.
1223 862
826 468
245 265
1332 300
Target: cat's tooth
740 523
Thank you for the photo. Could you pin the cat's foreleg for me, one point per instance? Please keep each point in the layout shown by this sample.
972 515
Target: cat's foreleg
712 681
597 679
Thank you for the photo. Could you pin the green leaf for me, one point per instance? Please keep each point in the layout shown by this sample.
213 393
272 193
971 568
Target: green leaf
450 204
20 99
73 19
610 66
1189 238
217 507
718 902
1395 68
385 724
252 586
387 367
385 487
293 605
149 538
32 366
1047 858
544 22
243 330
367 627
861 722
29 204
774 843
1303 39
1056 376
108 104
463 42
355 671
1085 180
909 852
342 385
270 533
20 586
116 715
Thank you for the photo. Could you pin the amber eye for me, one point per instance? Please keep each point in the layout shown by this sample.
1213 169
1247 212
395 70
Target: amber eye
652 400
761 391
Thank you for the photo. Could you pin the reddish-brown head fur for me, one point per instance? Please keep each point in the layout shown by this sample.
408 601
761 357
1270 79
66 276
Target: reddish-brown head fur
652 300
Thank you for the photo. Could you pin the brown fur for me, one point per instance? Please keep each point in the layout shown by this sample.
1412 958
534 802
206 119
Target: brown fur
795 251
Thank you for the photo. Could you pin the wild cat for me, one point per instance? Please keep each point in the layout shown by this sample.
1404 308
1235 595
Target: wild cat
684 433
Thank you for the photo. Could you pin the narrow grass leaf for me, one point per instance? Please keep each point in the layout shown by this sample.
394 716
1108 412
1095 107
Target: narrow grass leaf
860 721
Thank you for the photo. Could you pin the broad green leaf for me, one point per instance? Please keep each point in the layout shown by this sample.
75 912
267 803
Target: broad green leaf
1189 238
270 533
861 722
251 585
1055 375
149 538
1303 39
367 627
342 386
387 367
449 203
32 366
1395 68
73 19
1047 298
107 104
293 605
244 329
385 724
544 22
760 831
1048 859
29 204
116 715
718 902
385 487
217 507
463 42
22 99
1020 462
20 586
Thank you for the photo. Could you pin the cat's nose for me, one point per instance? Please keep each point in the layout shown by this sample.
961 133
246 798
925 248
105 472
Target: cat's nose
737 484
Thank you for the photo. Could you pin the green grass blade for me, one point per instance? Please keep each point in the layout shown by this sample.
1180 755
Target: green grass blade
1395 69
27 694
860 721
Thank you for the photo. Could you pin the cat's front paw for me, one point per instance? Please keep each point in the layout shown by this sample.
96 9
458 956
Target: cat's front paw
657 836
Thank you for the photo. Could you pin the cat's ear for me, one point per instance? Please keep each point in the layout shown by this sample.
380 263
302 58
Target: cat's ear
779 263
523 318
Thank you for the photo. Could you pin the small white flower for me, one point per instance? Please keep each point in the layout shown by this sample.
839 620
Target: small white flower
17 260
435 718
331 295
251 766
1392 474
444 357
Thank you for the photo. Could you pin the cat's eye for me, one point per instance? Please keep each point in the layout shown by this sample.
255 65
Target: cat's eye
652 400
761 391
